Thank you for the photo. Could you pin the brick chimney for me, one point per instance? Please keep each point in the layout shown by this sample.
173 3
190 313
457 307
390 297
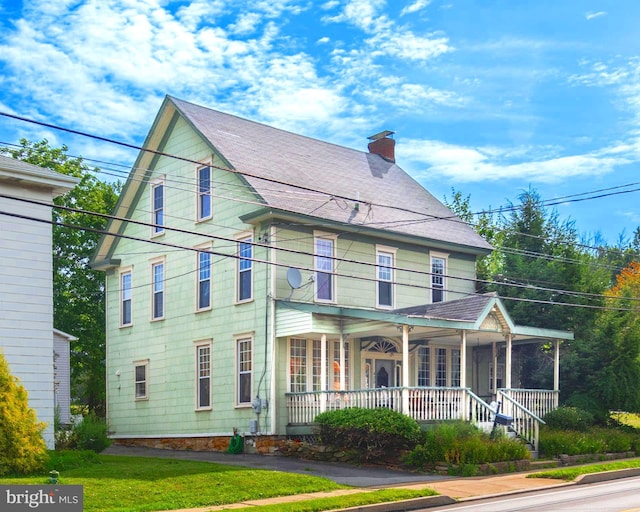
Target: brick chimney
382 144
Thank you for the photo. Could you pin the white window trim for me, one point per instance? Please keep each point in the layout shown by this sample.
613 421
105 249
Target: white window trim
200 218
325 386
200 248
241 238
154 262
197 345
323 235
237 339
153 184
123 271
393 251
145 363
443 256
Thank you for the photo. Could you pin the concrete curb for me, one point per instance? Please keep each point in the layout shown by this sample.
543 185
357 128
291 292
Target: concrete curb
399 506
605 476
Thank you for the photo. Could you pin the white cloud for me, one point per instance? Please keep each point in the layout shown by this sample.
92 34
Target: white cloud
475 164
594 14
416 6
323 40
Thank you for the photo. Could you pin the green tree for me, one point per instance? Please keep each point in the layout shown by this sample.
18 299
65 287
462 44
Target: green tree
22 448
78 291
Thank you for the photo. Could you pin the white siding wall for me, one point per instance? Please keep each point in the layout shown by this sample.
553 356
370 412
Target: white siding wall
26 304
62 376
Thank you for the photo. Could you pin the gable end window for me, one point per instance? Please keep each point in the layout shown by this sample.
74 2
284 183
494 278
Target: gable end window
204 193
385 262
157 290
125 299
141 370
438 272
157 208
245 269
204 281
324 278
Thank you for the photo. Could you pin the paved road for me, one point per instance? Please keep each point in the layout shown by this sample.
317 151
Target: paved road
611 496
356 476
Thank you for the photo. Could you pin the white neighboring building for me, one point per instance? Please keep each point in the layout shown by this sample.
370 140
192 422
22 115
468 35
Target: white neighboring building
26 279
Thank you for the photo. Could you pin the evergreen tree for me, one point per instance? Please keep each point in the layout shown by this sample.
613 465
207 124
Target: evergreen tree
22 448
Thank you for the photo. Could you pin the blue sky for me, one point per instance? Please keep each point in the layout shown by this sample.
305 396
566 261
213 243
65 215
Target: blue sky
490 97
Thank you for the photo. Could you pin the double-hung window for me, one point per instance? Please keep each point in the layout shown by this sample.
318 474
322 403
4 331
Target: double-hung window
157 290
157 207
204 281
324 278
385 262
245 269
245 370
438 273
424 366
305 365
125 299
204 193
203 372
141 370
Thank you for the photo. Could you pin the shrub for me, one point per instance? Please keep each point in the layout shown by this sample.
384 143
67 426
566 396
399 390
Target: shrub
22 448
554 442
569 418
91 434
460 443
371 433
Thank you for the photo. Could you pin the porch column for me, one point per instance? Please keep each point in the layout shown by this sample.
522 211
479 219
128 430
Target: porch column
494 356
556 371
507 370
323 373
463 360
405 369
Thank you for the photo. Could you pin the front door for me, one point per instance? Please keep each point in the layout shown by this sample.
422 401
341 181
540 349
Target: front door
385 373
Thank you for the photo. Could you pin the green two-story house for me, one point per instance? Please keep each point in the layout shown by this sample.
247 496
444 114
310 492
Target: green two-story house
256 277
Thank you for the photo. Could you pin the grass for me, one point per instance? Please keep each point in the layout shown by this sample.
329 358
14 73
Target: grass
344 501
572 473
138 484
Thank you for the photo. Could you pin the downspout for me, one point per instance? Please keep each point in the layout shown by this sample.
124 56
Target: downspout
272 334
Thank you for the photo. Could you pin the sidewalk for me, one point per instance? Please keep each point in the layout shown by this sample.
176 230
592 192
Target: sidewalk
368 479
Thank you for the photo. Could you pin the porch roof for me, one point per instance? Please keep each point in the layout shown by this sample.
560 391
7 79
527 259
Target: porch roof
481 315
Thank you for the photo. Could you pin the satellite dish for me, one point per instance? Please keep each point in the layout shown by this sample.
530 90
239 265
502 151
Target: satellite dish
294 278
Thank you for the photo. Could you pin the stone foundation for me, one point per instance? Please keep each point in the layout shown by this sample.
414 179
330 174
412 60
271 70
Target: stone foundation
263 445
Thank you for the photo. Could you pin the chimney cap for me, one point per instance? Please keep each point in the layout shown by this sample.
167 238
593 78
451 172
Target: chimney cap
381 135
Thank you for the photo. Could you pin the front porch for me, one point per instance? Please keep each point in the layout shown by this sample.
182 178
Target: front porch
432 404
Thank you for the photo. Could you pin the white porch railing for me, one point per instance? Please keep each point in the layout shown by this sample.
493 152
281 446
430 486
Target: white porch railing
527 420
538 401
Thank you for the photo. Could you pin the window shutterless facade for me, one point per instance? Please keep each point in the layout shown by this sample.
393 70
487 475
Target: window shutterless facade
204 193
245 370
324 267
305 365
126 296
245 269
203 373
158 207
438 272
141 371
386 262
204 281
439 366
157 290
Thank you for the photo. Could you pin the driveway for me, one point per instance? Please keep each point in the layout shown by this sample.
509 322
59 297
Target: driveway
356 476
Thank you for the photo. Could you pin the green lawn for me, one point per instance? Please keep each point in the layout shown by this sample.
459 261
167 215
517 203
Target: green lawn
136 484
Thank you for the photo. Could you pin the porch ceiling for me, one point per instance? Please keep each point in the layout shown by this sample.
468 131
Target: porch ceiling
483 317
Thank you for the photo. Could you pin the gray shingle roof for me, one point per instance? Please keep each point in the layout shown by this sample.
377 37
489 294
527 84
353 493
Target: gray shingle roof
266 152
467 309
